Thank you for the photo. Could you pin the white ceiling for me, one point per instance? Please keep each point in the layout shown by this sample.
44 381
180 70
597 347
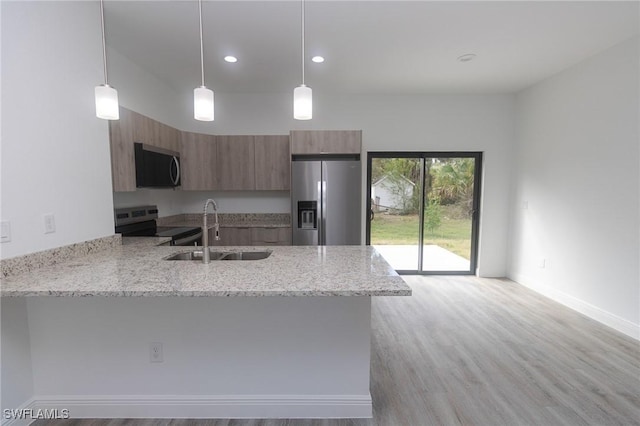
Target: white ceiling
389 47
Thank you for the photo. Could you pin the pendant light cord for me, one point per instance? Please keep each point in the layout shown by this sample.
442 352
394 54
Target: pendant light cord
201 44
303 42
104 44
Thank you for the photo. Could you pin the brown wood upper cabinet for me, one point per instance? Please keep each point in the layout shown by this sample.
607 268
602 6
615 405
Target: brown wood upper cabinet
236 163
208 162
272 163
123 166
198 154
151 132
326 141
133 127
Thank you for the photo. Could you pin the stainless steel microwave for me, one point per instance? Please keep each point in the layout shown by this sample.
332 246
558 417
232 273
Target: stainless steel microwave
156 167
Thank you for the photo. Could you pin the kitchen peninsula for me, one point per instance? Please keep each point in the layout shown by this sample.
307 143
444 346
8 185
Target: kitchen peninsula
236 340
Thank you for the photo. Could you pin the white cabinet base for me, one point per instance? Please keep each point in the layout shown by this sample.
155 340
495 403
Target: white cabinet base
262 357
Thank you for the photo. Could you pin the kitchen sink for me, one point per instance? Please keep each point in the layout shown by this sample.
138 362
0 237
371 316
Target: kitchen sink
196 255
245 255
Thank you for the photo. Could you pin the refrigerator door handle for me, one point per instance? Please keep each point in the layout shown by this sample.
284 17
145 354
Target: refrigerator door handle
324 212
320 214
322 232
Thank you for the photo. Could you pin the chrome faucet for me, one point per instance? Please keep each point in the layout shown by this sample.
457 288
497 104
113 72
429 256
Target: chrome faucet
205 231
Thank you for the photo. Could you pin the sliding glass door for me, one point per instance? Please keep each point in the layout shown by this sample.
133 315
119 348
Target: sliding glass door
423 210
395 187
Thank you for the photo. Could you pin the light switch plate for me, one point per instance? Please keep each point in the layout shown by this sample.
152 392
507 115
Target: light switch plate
5 231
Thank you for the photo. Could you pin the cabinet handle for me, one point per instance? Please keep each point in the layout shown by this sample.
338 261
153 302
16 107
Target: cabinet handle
177 178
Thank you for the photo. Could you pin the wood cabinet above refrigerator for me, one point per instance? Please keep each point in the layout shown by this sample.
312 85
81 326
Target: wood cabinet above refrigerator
235 163
326 142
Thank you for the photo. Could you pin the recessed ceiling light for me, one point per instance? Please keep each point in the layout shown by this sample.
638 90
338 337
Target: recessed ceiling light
467 57
231 59
318 59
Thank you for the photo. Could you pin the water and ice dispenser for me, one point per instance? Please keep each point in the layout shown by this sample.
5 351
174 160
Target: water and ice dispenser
307 214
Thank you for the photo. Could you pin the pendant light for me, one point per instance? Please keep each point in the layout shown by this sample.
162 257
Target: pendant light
302 96
202 97
106 96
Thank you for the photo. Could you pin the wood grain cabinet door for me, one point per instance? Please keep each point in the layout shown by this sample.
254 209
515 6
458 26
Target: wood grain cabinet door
198 162
236 163
232 237
143 129
273 163
151 132
134 127
271 236
123 166
166 137
326 141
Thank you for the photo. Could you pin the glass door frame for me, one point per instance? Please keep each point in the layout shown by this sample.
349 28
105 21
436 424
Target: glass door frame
475 215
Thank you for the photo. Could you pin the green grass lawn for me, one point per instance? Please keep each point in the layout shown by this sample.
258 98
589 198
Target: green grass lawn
453 234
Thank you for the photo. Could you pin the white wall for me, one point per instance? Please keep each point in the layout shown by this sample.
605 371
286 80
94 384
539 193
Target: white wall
223 357
238 201
16 386
172 202
141 91
55 152
576 170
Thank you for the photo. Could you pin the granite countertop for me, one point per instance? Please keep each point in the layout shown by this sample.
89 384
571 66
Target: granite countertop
144 242
138 268
230 220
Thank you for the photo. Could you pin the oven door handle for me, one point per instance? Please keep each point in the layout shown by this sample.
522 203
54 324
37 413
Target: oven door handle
188 240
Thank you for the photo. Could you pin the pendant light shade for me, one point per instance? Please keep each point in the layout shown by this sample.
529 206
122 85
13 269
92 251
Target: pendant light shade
302 103
106 96
203 104
107 102
302 98
202 96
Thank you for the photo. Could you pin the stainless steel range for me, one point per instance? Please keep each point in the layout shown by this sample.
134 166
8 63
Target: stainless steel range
141 222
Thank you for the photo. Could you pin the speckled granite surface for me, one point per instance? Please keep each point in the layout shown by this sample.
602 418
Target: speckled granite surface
144 242
230 220
33 261
138 269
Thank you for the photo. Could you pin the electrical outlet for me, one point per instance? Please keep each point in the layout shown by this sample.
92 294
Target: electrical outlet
542 263
5 231
49 223
155 352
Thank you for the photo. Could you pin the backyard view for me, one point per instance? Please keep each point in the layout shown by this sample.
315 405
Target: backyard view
448 207
453 234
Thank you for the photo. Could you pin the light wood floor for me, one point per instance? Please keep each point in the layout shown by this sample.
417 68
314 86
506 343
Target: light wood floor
464 350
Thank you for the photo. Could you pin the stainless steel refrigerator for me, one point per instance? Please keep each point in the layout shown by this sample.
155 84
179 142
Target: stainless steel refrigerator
326 202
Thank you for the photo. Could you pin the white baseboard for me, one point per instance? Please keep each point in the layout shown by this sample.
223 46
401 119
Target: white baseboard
211 406
607 318
29 405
